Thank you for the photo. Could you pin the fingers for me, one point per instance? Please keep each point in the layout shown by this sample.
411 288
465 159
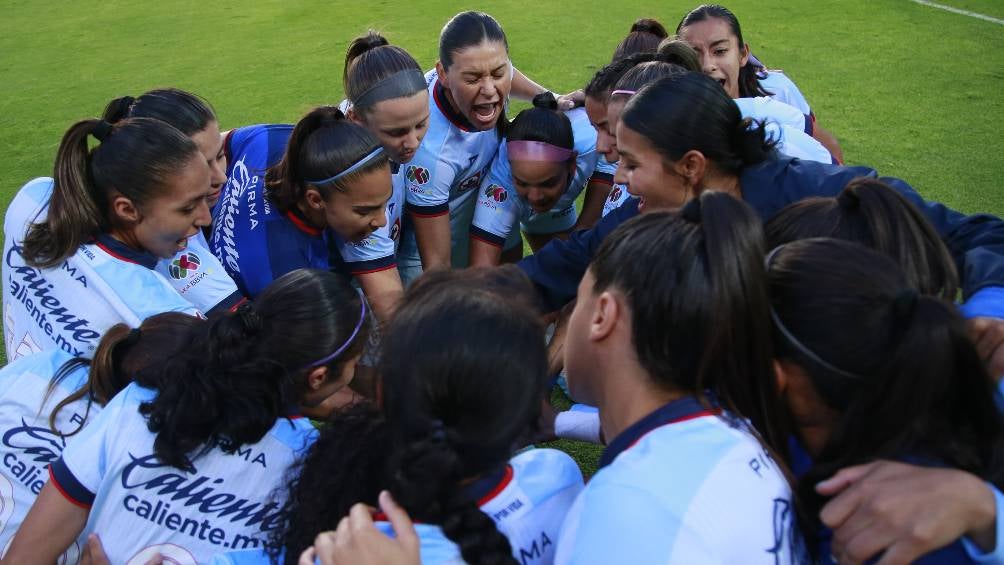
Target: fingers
404 529
843 479
308 555
94 552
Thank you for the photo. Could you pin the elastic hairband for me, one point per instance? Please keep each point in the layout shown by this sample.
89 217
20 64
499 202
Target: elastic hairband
102 130
627 92
538 151
355 167
793 340
401 83
348 342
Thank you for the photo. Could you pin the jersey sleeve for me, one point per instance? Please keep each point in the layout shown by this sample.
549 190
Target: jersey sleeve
200 278
373 254
604 172
784 89
497 209
428 180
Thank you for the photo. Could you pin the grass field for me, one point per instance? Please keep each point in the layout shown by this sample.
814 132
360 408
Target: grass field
913 91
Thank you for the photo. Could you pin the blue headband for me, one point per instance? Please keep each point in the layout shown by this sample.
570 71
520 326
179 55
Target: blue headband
355 167
348 342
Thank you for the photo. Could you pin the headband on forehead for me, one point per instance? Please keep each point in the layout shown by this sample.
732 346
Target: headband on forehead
538 151
355 167
625 92
401 83
352 337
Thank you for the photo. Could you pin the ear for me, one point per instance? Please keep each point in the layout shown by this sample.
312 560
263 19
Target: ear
606 315
782 376
314 199
441 72
692 166
316 378
355 117
745 51
124 209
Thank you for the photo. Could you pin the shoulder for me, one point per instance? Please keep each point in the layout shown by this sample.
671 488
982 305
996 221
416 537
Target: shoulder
535 467
264 144
29 201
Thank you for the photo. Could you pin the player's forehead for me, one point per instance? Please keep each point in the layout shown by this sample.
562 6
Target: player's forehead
708 33
484 58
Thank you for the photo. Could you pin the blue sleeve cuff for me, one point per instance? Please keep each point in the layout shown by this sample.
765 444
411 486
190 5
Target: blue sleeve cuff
987 302
68 485
997 555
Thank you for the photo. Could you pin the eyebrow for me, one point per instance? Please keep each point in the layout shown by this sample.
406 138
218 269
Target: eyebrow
719 42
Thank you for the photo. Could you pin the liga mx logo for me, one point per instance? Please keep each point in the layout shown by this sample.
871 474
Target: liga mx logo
185 265
417 174
497 192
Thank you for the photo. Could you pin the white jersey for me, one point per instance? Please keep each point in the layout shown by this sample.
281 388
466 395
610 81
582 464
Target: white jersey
500 208
528 503
200 278
27 444
68 307
683 485
782 89
767 109
784 124
141 507
618 192
445 173
378 252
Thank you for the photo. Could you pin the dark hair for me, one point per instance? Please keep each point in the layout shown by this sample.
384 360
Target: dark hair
468 29
749 83
186 112
870 212
647 73
603 81
902 372
644 37
681 53
543 122
122 356
246 369
695 286
322 145
135 158
691 111
369 60
450 413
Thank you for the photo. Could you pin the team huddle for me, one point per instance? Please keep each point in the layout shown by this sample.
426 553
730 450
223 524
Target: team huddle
321 342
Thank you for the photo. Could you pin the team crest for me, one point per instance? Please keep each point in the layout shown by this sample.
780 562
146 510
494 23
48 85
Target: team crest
417 175
395 230
185 265
615 194
470 182
496 192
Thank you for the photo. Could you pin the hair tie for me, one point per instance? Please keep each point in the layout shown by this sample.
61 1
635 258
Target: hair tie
904 305
250 318
848 200
692 211
102 130
132 337
352 168
341 348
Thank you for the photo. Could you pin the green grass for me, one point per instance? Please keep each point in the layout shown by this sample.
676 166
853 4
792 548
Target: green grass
908 89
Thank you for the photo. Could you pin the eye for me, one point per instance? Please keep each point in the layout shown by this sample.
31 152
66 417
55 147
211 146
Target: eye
721 51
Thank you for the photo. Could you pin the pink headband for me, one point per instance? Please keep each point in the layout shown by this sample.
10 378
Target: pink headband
538 151
628 92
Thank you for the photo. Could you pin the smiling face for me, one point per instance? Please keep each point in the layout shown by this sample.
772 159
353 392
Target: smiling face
540 183
359 210
647 174
478 82
210 144
606 139
399 123
719 51
179 212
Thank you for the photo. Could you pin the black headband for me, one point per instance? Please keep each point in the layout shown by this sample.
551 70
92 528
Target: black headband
401 83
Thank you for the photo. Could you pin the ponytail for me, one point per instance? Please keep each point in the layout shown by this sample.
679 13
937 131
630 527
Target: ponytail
325 151
543 122
246 369
644 37
376 71
187 112
135 158
680 53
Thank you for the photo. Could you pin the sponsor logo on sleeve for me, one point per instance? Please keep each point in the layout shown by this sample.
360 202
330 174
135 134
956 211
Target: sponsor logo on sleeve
471 182
184 266
395 230
497 193
615 194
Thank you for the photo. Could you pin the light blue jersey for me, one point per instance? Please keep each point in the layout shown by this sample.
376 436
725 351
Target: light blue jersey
500 208
683 485
27 444
782 89
141 507
786 125
200 278
70 306
528 502
618 192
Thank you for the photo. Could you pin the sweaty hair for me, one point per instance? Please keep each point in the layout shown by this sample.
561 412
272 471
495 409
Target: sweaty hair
369 60
186 112
543 122
690 111
644 37
870 212
681 53
136 158
749 83
468 29
122 356
245 370
323 144
900 368
450 413
695 286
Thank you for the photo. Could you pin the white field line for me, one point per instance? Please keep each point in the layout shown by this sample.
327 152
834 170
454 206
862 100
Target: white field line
959 11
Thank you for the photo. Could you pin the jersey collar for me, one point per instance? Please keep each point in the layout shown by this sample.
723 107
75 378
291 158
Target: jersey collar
301 223
123 252
677 411
443 103
489 486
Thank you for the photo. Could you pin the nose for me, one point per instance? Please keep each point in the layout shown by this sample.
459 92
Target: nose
379 220
203 218
621 176
488 87
217 172
411 141
707 62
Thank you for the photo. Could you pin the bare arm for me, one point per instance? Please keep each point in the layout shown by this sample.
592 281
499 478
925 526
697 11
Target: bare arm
484 254
829 141
383 290
433 237
52 524
592 205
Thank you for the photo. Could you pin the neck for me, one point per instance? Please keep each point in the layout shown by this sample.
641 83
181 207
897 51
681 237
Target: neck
126 237
632 395
724 182
314 217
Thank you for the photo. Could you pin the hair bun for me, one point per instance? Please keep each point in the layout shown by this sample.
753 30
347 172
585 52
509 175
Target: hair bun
545 101
649 25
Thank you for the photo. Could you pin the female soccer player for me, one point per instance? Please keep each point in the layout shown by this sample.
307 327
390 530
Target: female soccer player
714 32
892 374
49 397
80 249
194 272
644 37
443 440
327 184
546 160
183 465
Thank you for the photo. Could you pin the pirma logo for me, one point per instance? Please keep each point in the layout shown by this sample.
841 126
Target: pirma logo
183 266
417 174
496 192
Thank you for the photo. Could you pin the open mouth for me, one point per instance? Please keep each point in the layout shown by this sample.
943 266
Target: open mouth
721 81
485 113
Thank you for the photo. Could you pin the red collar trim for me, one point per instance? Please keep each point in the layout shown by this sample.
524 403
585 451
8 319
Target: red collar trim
456 118
302 225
